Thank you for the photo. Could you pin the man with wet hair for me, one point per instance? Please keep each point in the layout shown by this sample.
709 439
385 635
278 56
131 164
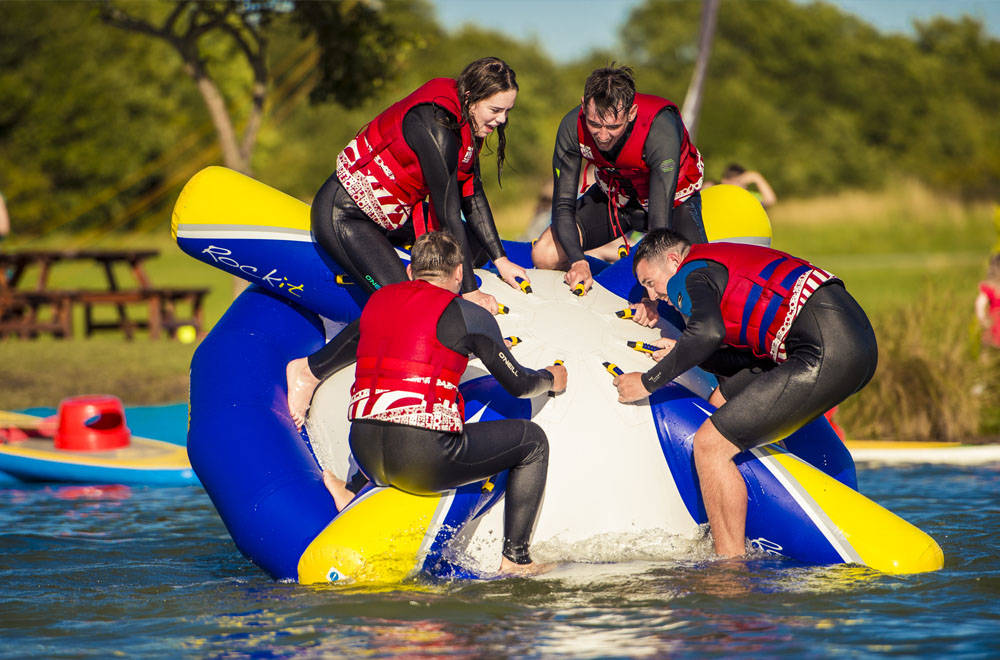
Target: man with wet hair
785 338
648 176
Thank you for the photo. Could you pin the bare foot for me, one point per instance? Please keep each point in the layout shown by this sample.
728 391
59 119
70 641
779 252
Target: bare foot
301 385
510 569
338 488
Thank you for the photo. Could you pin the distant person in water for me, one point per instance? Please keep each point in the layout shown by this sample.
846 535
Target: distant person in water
412 345
737 175
648 176
425 145
988 304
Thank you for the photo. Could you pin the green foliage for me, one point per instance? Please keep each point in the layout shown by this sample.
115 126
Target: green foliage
820 101
352 69
82 107
99 127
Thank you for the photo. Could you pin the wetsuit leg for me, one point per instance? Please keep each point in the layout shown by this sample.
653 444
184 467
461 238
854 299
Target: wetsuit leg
595 224
687 220
832 353
423 462
353 239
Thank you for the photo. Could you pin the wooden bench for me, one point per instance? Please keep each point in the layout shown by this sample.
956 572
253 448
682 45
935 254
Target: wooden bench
27 314
121 299
22 310
170 316
22 313
163 304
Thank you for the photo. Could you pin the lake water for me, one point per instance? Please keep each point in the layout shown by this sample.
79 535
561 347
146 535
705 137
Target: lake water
152 572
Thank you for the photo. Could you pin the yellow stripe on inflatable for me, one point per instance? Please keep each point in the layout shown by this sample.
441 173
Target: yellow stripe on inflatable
882 540
217 195
378 539
734 215
150 455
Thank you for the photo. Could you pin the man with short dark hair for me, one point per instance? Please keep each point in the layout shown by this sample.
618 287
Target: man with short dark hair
412 345
648 176
785 338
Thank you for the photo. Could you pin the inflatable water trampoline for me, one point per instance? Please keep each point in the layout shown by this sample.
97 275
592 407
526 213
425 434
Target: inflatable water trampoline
619 475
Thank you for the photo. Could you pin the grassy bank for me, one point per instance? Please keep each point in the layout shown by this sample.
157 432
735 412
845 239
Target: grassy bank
911 259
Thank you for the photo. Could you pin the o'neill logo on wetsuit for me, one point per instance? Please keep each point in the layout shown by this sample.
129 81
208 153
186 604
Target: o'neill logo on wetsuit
586 152
503 358
468 156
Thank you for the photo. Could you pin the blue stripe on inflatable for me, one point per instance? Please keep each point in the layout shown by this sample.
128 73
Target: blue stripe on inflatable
819 445
242 443
677 414
775 520
437 562
776 523
520 253
24 468
296 270
619 279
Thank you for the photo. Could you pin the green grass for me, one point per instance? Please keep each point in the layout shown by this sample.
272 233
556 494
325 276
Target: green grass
41 372
912 261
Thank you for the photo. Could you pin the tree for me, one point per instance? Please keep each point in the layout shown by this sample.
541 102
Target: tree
349 35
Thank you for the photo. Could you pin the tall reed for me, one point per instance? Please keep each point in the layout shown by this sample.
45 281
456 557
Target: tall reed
931 383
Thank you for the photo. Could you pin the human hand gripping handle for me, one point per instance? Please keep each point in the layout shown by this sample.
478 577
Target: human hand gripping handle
579 278
665 345
559 377
645 312
630 387
484 300
512 274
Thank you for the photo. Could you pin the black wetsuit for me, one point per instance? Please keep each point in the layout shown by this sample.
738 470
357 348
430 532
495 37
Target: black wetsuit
589 213
831 348
366 250
423 461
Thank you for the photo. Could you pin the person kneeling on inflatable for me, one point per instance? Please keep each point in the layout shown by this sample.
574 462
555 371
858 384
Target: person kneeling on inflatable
412 344
785 338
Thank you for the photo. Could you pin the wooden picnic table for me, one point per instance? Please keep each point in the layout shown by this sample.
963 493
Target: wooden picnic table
21 307
19 262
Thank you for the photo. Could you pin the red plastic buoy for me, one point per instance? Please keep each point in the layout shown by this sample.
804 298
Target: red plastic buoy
93 422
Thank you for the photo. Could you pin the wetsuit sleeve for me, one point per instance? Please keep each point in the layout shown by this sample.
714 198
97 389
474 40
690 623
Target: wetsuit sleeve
705 330
477 211
662 153
339 352
465 327
566 167
436 147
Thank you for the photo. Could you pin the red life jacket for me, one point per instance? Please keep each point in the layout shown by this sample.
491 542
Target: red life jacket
381 172
765 293
404 374
630 167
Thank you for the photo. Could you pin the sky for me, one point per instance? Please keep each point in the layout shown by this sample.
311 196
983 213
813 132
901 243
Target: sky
567 29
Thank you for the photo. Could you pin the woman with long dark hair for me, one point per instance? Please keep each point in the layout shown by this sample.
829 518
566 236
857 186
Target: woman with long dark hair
425 145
